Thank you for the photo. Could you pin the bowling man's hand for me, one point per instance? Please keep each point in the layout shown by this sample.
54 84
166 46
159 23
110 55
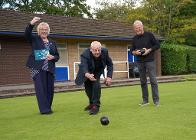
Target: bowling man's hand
108 81
90 76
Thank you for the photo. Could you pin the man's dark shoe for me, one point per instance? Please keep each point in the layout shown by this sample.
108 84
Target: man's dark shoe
87 108
144 103
94 110
156 103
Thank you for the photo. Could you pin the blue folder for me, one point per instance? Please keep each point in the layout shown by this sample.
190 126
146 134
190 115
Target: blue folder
41 54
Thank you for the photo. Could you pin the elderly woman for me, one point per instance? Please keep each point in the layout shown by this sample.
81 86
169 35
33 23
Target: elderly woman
41 62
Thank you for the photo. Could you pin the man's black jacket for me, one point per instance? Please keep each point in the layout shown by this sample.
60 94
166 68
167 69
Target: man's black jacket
146 40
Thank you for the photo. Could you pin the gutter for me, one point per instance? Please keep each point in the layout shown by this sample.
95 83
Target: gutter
101 37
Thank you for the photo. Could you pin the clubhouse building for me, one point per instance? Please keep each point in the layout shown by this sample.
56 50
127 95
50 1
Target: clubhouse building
72 35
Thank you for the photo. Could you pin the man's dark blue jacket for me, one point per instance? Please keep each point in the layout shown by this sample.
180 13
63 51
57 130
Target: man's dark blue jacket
87 65
38 44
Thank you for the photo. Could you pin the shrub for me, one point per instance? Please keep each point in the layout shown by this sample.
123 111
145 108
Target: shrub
191 38
191 59
173 59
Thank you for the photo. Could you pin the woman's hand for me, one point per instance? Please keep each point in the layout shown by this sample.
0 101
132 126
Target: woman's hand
34 20
49 57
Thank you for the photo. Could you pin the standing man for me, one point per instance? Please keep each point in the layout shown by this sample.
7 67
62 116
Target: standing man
93 62
144 46
41 62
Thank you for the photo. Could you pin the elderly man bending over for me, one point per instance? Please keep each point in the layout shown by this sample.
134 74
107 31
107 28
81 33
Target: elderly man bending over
93 62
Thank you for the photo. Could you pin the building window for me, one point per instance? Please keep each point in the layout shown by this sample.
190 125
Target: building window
82 47
63 53
103 45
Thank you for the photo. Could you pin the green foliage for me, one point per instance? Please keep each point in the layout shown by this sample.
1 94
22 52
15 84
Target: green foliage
55 7
177 59
191 59
191 38
164 15
188 10
113 11
2 3
173 59
171 19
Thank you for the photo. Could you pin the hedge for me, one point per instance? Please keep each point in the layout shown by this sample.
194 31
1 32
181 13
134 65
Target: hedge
191 59
173 59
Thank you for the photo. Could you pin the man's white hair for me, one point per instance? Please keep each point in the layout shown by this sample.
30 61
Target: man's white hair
95 43
138 22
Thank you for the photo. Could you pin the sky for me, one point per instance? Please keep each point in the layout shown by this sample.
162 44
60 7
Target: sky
93 4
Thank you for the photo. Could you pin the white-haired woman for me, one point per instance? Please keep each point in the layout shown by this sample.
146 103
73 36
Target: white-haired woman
41 62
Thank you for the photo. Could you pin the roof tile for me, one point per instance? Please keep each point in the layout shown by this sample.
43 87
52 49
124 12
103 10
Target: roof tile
14 21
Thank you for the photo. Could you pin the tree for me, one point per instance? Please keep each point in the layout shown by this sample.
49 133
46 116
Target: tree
172 19
56 7
113 12
188 13
190 38
2 4
188 9
165 18
116 11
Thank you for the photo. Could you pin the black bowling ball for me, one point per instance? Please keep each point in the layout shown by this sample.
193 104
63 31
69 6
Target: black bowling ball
104 120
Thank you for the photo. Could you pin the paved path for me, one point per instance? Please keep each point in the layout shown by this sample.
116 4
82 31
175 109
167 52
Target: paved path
28 89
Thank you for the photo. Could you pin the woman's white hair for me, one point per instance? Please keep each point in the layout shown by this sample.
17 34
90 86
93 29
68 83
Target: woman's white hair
41 26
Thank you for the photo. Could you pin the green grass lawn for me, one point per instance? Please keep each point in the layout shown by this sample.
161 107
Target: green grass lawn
174 119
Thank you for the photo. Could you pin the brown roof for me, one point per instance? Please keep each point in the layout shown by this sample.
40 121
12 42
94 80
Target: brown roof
14 21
